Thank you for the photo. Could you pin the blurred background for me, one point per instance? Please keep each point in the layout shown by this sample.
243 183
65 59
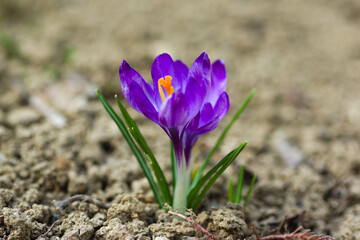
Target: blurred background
308 47
293 49
303 57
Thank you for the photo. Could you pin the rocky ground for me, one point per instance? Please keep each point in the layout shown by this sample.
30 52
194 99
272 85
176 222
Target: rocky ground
57 141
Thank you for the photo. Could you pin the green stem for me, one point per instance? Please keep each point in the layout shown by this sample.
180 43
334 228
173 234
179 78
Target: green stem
181 188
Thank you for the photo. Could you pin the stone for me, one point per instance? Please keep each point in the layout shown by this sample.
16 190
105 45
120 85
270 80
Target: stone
23 116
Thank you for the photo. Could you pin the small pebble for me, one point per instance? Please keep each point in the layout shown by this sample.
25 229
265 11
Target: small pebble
23 115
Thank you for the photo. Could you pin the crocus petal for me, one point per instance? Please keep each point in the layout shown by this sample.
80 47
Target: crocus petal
195 96
208 127
127 76
200 70
193 124
222 105
206 114
218 81
162 66
174 111
219 111
198 83
206 121
182 72
142 103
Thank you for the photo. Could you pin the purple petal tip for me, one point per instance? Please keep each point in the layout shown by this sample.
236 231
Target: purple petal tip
204 55
123 65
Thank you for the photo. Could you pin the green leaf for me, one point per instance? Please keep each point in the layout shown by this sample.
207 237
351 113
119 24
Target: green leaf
235 153
250 189
231 191
133 147
239 185
193 192
135 132
222 136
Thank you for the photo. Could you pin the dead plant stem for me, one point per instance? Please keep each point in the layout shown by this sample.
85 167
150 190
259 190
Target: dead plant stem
203 230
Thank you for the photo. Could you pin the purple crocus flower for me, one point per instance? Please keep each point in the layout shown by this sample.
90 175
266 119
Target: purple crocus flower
185 103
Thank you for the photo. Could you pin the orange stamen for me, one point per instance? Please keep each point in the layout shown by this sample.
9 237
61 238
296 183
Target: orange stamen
166 84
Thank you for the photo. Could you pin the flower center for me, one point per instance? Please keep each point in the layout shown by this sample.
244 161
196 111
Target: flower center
165 84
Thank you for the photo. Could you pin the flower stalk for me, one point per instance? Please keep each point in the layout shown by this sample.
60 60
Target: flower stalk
181 188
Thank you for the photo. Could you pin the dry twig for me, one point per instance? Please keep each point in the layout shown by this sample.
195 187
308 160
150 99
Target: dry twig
290 220
203 230
51 227
254 230
61 205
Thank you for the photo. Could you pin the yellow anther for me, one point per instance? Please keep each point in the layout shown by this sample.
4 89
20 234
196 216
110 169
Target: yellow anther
166 84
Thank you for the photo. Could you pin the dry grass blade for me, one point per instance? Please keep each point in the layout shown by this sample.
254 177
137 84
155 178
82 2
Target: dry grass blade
195 224
299 234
